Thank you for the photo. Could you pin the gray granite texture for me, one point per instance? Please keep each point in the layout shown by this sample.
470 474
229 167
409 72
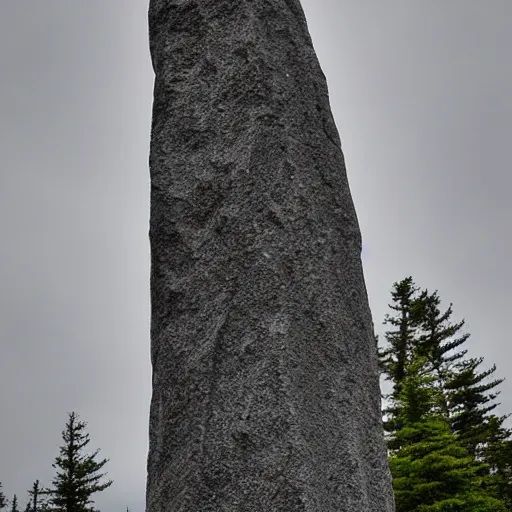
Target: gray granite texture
265 384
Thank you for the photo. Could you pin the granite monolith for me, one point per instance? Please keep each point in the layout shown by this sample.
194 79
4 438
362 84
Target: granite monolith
265 382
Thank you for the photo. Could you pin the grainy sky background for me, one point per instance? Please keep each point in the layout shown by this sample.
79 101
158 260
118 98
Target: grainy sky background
421 94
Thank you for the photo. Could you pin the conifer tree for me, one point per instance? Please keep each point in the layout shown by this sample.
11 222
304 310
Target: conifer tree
400 339
14 504
431 471
436 342
470 404
464 395
37 498
497 452
467 395
3 499
421 328
394 358
437 333
78 476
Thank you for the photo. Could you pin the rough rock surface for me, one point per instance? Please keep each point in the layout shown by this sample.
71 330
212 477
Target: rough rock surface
265 383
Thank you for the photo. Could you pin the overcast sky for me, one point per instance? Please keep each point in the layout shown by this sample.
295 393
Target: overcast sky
420 90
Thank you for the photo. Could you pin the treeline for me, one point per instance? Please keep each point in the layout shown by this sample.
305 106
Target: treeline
77 477
448 450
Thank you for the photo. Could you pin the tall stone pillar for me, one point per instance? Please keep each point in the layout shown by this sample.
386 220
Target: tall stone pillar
265 382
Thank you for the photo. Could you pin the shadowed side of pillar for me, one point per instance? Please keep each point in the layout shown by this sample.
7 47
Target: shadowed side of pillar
265 383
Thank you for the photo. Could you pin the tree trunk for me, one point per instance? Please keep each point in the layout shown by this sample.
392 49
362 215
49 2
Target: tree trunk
265 382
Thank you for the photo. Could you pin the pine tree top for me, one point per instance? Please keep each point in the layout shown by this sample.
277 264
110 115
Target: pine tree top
78 476
3 499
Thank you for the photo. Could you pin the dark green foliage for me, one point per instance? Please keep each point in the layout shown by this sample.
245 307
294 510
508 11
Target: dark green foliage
38 501
471 403
394 359
465 399
400 340
422 330
14 504
77 477
460 395
3 499
431 470
436 341
497 452
467 393
437 333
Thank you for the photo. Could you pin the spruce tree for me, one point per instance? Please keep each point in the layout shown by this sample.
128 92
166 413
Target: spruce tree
431 470
3 499
436 342
400 340
468 395
497 452
37 498
437 333
465 396
421 327
14 504
465 400
471 403
78 476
